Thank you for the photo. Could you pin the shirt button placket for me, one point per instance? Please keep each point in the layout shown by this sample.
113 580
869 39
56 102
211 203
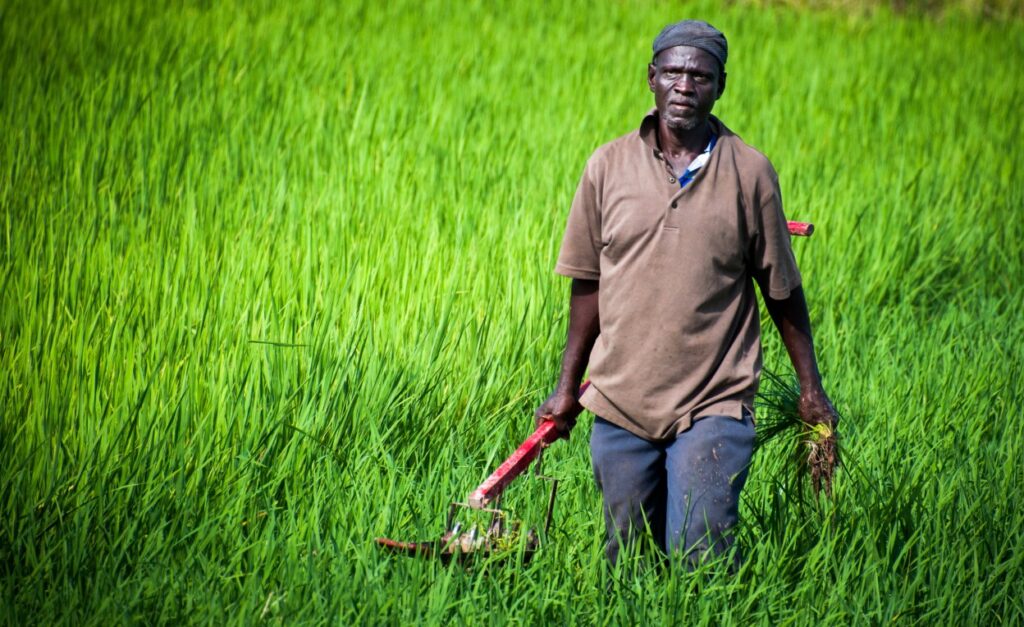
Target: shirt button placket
672 214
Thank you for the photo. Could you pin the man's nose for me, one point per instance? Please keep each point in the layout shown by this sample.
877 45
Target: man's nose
684 84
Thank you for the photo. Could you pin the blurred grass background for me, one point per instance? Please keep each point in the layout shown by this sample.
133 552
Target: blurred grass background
277 280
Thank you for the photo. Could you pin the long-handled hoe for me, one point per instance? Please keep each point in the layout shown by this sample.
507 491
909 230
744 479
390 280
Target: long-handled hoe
501 534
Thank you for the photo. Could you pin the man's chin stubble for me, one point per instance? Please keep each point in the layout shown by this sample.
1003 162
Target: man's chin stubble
683 124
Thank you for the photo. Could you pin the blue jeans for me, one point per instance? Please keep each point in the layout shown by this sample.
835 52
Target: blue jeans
686 490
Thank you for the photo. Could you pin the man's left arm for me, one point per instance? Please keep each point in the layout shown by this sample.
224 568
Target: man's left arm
794 324
773 267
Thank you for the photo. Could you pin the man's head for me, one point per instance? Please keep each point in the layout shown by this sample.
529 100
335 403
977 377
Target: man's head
687 72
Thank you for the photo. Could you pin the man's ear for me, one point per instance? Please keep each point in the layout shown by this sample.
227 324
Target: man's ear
721 85
651 70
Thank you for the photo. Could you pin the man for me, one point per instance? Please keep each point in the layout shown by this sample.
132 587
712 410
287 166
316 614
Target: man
670 227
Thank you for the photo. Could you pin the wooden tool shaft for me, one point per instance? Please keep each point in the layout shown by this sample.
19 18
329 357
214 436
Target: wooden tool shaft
514 466
519 461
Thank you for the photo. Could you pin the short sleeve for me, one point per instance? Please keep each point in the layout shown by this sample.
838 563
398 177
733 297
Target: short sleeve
580 255
773 265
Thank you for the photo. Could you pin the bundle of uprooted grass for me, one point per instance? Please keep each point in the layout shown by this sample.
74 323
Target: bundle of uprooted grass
816 449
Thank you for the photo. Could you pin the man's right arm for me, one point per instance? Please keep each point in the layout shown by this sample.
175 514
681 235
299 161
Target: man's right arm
584 326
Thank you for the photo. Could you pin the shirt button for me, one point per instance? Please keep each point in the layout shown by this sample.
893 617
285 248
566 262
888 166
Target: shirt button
671 180
674 204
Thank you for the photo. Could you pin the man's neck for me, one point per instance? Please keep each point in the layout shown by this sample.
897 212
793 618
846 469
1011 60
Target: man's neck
678 142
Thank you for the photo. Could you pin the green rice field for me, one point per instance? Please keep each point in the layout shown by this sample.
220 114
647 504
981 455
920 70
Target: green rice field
276 280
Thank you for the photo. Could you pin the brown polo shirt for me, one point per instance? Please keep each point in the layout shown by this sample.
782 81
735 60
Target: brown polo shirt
680 334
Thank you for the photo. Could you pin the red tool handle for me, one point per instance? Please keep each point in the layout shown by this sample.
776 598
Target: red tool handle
800 228
517 462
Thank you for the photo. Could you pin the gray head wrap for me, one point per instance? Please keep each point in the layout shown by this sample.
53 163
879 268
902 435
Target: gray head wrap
693 33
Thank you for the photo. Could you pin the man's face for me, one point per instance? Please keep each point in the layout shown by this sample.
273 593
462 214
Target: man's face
686 82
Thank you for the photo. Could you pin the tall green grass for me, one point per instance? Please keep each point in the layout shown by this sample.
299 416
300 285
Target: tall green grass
276 280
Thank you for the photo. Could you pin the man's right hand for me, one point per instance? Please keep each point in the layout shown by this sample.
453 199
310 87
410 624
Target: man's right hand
562 407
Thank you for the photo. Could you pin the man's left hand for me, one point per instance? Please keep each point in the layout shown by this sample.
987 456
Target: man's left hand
821 419
816 408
